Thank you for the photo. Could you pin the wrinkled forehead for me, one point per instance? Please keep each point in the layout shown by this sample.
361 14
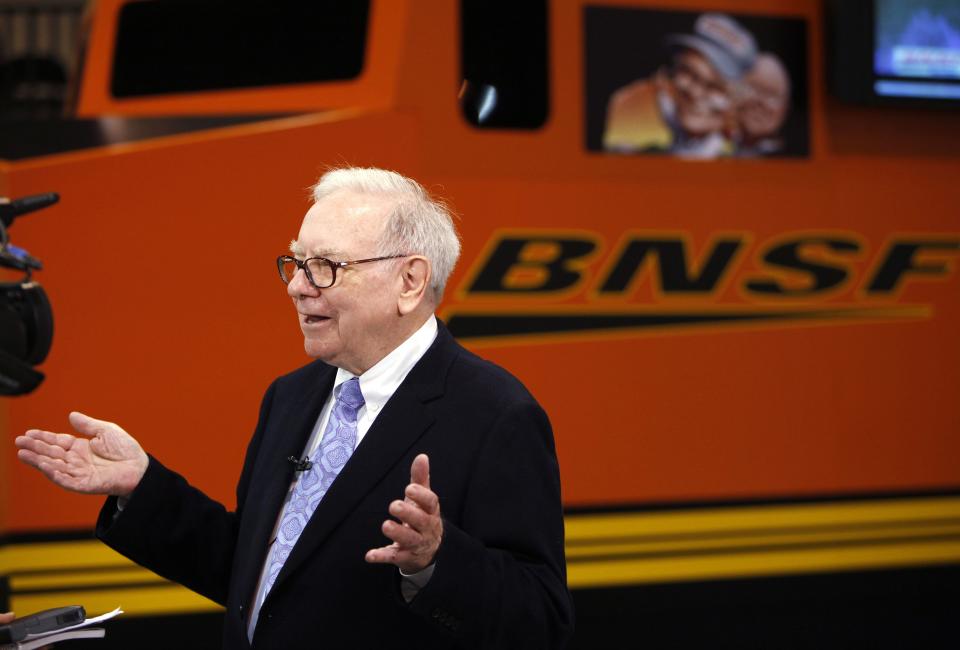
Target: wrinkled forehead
343 224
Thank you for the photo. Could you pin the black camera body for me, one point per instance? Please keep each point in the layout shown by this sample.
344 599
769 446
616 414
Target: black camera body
26 318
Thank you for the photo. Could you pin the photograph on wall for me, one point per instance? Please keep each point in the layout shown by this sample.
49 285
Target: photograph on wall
695 85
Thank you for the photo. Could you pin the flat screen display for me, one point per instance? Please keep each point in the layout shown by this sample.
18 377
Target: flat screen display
917 49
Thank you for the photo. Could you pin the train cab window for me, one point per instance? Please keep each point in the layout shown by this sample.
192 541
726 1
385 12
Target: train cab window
504 63
173 46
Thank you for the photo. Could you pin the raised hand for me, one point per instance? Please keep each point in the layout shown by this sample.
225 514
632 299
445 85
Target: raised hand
416 537
109 461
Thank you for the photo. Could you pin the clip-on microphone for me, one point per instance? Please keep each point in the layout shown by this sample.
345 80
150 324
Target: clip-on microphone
299 465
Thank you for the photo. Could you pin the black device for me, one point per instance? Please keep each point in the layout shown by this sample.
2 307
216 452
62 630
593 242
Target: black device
49 620
300 465
26 318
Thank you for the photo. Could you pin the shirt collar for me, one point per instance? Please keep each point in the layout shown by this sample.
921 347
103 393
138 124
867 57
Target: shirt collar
379 382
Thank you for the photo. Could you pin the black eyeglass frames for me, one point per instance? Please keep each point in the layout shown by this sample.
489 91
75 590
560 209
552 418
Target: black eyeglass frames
321 272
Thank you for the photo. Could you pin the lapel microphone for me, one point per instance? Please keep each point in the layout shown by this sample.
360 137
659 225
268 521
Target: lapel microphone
300 465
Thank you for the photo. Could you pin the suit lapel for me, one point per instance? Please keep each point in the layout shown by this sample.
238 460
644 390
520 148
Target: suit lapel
287 435
402 422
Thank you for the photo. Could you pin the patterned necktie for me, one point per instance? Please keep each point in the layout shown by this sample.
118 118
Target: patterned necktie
336 446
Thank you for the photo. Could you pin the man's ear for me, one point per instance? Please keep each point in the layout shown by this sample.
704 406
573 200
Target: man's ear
415 275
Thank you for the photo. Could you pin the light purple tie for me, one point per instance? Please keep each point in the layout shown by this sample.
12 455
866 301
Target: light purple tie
336 446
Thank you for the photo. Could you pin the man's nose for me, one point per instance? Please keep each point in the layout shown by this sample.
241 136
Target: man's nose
299 285
697 88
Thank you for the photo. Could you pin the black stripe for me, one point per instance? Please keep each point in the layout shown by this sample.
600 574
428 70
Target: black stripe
94 587
889 609
841 497
31 138
31 536
492 325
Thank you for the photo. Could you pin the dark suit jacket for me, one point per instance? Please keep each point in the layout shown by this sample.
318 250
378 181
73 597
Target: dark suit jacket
500 580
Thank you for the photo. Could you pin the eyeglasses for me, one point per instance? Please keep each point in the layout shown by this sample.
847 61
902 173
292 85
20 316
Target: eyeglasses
321 272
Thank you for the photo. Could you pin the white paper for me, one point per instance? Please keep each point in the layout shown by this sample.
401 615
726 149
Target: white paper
43 640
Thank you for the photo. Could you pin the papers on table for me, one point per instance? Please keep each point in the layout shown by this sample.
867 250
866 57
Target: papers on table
79 631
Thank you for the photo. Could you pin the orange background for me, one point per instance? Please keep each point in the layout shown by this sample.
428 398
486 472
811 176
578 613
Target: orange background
171 321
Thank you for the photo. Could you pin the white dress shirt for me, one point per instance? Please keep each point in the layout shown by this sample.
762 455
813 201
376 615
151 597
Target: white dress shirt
377 385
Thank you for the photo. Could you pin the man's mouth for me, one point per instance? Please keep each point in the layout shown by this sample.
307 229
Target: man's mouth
310 319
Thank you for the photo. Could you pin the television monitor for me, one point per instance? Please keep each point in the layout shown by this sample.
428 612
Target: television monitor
894 52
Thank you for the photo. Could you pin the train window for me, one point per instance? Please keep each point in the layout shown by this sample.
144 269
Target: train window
504 63
173 46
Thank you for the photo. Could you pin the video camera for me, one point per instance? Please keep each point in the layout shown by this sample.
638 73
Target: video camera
26 319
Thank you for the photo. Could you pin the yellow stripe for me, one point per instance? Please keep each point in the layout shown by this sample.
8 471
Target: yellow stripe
727 541
146 601
717 520
713 567
730 542
58 555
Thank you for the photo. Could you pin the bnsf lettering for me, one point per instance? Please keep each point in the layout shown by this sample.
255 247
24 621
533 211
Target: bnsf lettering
789 256
542 264
901 259
674 273
533 264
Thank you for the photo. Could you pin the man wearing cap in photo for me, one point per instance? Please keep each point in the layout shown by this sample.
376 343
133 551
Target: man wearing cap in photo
686 109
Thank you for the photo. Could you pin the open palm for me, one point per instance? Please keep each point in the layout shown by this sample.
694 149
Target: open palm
105 460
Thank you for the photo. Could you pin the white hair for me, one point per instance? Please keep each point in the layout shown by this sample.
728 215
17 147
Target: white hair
419 224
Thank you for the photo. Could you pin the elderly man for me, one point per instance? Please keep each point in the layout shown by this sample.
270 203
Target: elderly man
393 417
762 107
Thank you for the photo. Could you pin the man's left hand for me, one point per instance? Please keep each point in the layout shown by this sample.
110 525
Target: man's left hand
416 536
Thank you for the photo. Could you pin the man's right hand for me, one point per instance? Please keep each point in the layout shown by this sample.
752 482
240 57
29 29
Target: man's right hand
110 461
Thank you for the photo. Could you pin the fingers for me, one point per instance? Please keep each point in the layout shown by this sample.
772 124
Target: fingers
49 459
410 550
420 471
411 515
404 536
6 618
29 457
34 459
56 470
63 440
424 498
383 555
416 534
43 443
421 506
